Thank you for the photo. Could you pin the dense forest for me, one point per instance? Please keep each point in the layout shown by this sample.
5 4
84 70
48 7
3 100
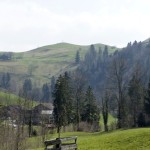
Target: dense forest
120 82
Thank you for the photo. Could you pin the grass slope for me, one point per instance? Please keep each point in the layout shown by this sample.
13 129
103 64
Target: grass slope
132 139
7 99
45 62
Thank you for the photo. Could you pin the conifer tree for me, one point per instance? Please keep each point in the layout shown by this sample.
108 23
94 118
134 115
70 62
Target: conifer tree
90 59
5 81
52 83
147 100
46 93
62 101
27 87
135 93
59 105
91 111
105 53
77 58
99 59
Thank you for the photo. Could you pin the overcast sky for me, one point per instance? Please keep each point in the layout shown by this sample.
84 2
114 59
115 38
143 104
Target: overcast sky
28 24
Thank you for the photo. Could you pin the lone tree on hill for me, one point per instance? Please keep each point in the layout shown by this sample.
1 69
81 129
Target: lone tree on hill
77 58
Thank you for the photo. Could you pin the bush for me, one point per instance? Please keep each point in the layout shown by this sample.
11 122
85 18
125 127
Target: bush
112 126
86 127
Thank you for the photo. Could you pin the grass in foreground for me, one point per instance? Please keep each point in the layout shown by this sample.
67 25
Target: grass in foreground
132 139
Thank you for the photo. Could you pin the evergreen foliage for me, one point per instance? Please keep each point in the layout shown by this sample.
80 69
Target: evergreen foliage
105 53
46 93
77 58
62 101
5 81
91 111
27 88
135 92
147 100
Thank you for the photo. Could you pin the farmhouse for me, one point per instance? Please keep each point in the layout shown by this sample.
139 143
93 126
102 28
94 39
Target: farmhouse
42 114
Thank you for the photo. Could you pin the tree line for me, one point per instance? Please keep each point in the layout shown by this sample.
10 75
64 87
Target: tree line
73 103
120 82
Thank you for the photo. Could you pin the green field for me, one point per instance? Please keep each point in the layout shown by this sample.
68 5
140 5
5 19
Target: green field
131 139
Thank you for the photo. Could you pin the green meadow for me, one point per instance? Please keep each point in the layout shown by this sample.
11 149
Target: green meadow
131 139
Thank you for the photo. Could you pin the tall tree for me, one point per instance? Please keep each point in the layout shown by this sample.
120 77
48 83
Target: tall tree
28 102
52 83
90 58
62 102
91 110
68 97
27 88
79 83
99 59
59 105
147 100
77 58
46 92
118 83
52 86
105 101
135 92
5 81
105 53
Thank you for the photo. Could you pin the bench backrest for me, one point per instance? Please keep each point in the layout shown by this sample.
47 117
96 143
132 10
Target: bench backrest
58 142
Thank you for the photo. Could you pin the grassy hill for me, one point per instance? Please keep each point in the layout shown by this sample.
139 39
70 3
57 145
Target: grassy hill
44 62
132 139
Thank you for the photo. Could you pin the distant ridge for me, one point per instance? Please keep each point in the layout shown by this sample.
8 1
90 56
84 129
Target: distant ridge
70 46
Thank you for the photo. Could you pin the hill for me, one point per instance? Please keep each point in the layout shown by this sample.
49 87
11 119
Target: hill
44 62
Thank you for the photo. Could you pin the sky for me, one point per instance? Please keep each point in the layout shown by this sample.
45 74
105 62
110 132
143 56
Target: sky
28 24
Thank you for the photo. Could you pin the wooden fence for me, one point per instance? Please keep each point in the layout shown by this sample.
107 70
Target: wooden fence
67 143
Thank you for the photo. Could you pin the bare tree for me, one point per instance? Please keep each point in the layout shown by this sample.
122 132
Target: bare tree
118 85
105 100
79 88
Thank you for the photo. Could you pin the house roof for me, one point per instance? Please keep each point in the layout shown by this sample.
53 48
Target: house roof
41 107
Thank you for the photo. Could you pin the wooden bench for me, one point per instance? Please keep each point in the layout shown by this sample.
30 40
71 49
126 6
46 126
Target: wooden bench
67 143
